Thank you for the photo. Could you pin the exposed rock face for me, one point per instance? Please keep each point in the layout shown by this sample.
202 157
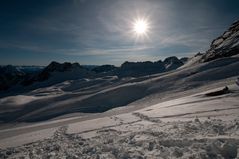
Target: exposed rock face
52 67
9 75
136 69
30 69
104 68
225 45
146 68
58 67
140 68
172 63
10 70
184 59
148 65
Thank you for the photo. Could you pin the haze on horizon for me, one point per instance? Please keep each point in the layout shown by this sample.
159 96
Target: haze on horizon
100 32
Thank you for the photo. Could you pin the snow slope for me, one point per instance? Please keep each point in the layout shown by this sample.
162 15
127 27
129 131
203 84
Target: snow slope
183 113
104 93
195 126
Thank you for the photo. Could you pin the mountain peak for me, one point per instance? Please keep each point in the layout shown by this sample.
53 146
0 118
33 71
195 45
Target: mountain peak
58 67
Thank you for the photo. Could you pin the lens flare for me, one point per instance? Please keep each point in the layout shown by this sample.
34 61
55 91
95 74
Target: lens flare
140 27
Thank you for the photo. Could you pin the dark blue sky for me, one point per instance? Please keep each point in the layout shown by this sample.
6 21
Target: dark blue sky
99 31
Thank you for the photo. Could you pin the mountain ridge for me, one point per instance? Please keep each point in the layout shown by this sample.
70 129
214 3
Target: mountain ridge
127 69
225 45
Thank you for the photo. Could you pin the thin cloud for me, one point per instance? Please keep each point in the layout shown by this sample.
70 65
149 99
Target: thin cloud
76 51
110 51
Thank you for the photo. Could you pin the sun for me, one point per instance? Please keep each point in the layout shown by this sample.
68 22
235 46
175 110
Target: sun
141 27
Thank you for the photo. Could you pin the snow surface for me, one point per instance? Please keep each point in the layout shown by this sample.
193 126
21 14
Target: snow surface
104 93
16 100
166 115
195 126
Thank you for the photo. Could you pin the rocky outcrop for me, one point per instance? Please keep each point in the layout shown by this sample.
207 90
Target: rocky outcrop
184 59
172 63
58 72
58 67
104 68
135 69
51 68
9 75
30 69
225 45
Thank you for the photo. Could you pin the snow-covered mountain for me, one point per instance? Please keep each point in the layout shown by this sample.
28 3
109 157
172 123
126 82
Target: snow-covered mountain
104 68
11 70
58 72
104 93
63 88
30 69
225 45
10 75
184 59
172 63
136 69
158 111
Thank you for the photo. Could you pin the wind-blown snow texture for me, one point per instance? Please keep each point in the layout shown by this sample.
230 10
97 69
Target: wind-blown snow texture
104 93
160 140
145 133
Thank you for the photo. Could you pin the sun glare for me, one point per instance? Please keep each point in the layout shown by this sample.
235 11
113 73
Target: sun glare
140 27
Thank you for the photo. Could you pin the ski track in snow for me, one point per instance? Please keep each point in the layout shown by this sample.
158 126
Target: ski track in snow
143 134
186 139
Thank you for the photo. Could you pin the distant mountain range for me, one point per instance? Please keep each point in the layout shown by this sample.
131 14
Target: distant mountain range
135 69
225 45
66 88
27 75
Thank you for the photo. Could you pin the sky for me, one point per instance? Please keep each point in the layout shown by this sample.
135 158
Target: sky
96 32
